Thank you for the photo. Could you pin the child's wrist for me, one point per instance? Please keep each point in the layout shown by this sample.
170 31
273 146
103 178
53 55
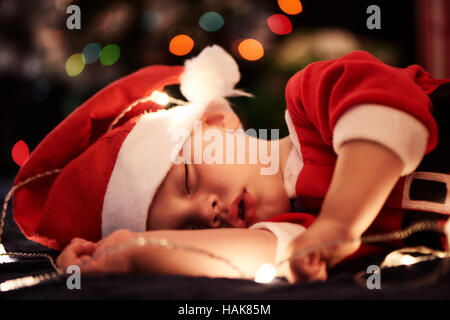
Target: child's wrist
341 229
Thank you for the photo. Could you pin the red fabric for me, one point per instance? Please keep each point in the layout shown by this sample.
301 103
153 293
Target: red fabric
434 36
304 219
319 94
55 209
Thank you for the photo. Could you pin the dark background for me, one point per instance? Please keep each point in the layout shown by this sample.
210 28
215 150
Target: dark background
35 43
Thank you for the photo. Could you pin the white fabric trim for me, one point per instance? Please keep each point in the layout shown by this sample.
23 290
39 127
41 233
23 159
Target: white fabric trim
142 163
408 203
294 163
285 232
394 129
146 155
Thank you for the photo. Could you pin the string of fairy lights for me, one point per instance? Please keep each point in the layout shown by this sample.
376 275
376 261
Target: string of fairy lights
267 271
250 49
265 274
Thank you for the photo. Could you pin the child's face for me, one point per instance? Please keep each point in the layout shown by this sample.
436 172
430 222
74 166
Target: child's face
202 195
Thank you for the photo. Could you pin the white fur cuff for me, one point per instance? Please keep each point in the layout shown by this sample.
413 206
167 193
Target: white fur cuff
285 232
394 129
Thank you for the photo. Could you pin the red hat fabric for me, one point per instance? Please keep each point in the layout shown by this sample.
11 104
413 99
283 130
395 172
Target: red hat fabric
108 178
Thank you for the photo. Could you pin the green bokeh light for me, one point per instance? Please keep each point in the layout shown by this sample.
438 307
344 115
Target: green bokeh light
110 54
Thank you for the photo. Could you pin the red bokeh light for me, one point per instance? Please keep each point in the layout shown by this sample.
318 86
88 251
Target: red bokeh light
279 24
20 153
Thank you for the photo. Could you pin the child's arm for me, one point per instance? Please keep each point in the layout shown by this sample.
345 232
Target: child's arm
364 176
246 249
378 120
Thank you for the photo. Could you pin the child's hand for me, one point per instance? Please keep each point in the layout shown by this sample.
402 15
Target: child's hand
90 257
313 265
76 253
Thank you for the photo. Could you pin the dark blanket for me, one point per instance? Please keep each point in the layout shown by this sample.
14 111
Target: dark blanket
426 280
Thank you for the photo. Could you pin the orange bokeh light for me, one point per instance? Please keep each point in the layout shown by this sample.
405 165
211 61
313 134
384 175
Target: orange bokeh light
181 45
290 6
251 49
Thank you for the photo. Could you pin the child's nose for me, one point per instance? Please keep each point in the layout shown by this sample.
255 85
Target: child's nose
211 211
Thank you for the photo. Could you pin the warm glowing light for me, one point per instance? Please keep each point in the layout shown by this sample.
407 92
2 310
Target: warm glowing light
160 98
4 258
75 65
407 260
20 153
447 233
290 6
211 21
181 45
251 49
109 54
266 273
279 24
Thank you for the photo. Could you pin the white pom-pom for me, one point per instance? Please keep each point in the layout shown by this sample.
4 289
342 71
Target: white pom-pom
212 74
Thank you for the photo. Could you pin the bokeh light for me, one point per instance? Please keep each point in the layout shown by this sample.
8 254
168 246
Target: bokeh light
279 24
91 52
40 91
20 152
211 21
181 45
150 20
251 49
109 54
75 65
290 6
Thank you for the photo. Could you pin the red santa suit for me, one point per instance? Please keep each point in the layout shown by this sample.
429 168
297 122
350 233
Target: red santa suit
359 97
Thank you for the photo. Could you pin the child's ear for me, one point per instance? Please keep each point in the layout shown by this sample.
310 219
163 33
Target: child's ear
222 119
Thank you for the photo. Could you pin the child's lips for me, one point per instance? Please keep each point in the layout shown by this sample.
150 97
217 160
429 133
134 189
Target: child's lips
249 210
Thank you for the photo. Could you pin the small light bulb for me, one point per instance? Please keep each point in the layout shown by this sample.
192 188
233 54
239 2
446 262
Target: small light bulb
160 98
407 260
447 233
266 273
3 257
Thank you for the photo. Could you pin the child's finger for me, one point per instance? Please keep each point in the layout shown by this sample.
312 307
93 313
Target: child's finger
310 268
70 255
66 258
84 248
93 266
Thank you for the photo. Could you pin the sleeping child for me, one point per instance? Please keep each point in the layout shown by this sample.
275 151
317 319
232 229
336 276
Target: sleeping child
362 157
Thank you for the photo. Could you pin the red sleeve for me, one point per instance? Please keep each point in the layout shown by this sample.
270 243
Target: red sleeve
304 219
318 95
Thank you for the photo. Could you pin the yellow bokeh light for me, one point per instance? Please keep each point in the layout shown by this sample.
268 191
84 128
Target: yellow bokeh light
251 49
290 6
181 45
75 64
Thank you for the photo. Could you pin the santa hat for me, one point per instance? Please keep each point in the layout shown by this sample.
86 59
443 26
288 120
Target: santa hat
113 152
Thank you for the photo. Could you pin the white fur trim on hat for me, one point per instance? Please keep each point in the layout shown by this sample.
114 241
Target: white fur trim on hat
146 155
212 74
143 161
